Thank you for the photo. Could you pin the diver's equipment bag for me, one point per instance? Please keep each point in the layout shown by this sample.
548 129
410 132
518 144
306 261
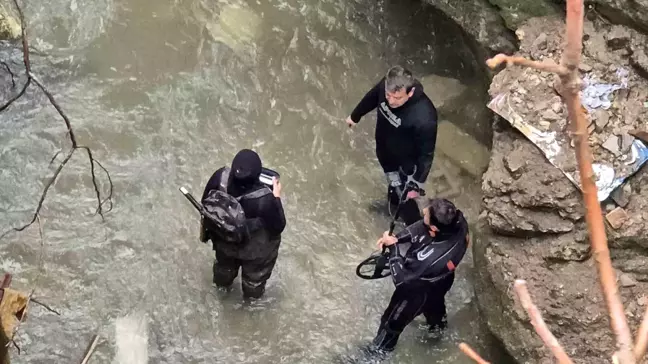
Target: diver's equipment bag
222 214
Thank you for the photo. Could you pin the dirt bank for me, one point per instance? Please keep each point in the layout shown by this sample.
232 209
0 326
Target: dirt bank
532 226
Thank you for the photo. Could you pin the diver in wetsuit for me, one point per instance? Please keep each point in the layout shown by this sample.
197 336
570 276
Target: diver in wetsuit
406 128
423 272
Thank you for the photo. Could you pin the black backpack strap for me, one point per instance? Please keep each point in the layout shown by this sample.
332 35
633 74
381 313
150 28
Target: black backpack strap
255 194
224 179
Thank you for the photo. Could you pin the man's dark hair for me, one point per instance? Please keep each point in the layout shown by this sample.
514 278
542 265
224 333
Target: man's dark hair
442 212
398 78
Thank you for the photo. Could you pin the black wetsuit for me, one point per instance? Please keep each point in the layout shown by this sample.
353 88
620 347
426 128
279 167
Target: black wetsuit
257 257
405 136
422 278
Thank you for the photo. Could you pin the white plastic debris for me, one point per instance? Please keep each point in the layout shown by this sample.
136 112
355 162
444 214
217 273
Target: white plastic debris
597 95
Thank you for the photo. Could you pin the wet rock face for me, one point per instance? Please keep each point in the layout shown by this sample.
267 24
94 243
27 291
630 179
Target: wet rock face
482 21
629 12
492 22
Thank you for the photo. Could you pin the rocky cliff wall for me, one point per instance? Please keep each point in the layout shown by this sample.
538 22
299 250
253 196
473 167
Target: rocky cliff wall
532 219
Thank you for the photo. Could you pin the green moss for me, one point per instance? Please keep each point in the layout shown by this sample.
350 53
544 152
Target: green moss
515 12
9 27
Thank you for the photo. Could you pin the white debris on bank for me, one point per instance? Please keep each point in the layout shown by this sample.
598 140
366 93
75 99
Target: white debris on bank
613 96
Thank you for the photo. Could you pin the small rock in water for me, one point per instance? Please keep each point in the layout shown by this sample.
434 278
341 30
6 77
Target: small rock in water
616 217
612 145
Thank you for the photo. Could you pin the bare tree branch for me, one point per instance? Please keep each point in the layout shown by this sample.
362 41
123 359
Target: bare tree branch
538 323
25 42
57 107
642 338
19 95
43 195
472 354
547 66
90 349
45 306
70 133
13 81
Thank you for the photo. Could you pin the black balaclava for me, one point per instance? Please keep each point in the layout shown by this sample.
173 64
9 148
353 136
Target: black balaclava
245 170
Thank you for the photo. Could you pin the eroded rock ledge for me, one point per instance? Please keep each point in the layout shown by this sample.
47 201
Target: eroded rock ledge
532 227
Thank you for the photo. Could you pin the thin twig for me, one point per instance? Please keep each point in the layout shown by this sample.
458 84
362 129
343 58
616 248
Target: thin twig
43 195
70 133
538 323
19 95
110 190
90 349
472 354
94 180
547 66
13 81
57 107
54 157
25 43
48 308
642 338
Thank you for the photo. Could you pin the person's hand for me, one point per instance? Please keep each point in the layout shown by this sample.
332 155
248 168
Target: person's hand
350 122
276 187
386 240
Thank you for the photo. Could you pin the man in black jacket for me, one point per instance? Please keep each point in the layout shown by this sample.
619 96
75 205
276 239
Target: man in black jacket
406 127
425 272
265 221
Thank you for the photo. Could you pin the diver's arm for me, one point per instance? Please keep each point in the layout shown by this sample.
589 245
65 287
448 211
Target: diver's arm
402 273
411 232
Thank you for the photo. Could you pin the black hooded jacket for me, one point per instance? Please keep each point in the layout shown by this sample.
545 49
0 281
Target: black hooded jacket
405 136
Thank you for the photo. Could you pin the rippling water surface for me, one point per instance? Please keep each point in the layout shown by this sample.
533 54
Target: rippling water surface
165 92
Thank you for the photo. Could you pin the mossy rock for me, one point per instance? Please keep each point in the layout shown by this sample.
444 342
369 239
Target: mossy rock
9 26
514 12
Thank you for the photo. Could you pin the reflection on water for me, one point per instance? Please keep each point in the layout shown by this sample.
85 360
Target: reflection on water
167 91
